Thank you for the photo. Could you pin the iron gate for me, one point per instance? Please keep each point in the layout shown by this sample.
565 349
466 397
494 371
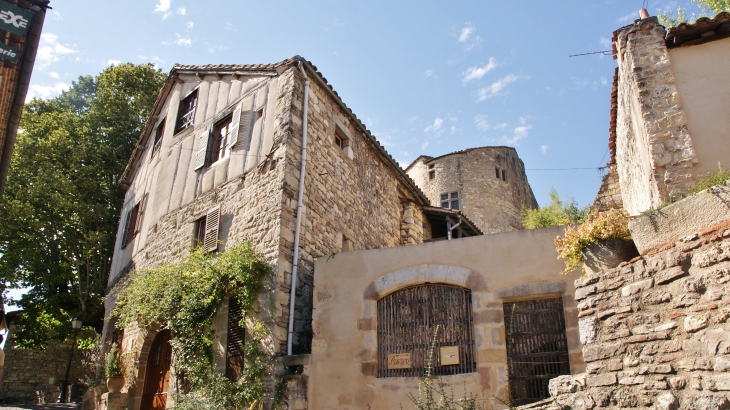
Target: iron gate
537 347
407 320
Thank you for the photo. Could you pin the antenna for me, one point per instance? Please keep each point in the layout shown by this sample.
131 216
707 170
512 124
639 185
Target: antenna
605 53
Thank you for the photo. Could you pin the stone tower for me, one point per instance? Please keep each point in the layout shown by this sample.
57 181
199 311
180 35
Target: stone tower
488 184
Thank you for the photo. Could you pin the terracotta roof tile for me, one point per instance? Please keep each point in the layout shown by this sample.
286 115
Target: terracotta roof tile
701 31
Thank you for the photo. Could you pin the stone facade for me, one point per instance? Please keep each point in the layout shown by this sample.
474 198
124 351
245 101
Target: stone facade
355 196
656 330
34 376
497 269
493 203
654 149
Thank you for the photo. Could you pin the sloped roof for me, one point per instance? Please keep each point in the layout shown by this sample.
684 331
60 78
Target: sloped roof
256 69
429 158
701 31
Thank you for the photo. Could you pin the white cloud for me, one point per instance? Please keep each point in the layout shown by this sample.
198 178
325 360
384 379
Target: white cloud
45 92
579 82
163 7
113 62
468 37
605 42
481 122
495 88
500 126
424 146
476 73
50 50
56 15
54 74
518 133
184 41
181 11
189 24
412 120
429 73
544 149
228 26
435 127
631 16
454 129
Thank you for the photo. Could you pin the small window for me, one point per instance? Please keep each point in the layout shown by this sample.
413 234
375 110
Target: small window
236 339
339 141
504 175
407 321
450 200
159 132
186 112
131 225
432 175
200 232
219 149
501 174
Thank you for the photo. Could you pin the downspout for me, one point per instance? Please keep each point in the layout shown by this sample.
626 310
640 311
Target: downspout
451 228
300 195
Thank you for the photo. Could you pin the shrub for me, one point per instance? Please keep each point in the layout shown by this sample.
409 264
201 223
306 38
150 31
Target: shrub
711 179
597 226
557 213
113 366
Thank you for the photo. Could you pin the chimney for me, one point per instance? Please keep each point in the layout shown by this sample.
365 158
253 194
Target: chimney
643 14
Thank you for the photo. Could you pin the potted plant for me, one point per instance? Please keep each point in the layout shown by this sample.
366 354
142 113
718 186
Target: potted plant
601 242
114 371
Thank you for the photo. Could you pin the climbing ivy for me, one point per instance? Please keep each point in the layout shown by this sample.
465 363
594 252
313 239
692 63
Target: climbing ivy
184 298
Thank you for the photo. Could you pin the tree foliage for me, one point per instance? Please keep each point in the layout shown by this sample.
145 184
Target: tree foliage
60 209
708 8
558 213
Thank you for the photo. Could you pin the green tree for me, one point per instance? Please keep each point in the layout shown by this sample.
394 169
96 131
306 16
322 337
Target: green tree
557 213
60 210
708 8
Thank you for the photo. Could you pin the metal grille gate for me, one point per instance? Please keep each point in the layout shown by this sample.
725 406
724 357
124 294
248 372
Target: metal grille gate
537 348
407 320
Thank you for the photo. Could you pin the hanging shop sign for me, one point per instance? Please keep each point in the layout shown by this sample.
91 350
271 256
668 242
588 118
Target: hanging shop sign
399 361
15 19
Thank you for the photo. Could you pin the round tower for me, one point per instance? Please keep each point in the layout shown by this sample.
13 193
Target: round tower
488 184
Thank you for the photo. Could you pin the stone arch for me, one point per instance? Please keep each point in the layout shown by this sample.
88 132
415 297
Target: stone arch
142 338
414 275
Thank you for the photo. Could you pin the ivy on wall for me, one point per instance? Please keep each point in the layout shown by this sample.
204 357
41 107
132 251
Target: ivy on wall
184 298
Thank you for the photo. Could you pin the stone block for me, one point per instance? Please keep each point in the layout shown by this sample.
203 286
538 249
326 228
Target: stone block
694 363
706 402
695 323
721 364
717 383
605 379
587 330
669 275
666 401
595 352
637 287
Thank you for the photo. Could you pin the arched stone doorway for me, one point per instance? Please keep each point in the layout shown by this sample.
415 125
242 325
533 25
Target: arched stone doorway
157 373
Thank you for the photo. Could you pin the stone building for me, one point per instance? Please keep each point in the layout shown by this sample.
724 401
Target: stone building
489 184
670 111
220 161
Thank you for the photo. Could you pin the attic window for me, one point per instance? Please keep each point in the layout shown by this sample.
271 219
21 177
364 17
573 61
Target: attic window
339 141
186 112
501 174
219 149
432 175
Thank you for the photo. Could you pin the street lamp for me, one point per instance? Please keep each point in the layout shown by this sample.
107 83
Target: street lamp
76 325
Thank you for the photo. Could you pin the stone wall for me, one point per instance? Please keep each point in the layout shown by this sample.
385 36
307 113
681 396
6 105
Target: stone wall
35 376
656 331
654 149
609 194
491 203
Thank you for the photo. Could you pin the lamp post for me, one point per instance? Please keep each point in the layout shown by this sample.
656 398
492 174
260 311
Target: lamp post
76 325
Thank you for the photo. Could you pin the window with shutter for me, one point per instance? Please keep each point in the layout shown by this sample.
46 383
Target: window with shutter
234 127
236 339
158 137
186 112
212 221
202 151
131 225
220 146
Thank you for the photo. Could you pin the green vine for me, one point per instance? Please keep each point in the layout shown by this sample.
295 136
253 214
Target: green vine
184 298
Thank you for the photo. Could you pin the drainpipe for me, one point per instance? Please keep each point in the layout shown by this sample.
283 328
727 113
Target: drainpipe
451 228
300 195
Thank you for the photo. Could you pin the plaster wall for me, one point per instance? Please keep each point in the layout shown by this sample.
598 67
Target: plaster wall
491 203
701 75
496 268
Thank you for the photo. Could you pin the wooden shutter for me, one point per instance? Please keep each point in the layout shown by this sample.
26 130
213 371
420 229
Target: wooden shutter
200 154
233 128
212 221
140 213
246 126
236 339
125 233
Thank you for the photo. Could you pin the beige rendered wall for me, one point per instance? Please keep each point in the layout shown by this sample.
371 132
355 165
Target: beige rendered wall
510 266
702 78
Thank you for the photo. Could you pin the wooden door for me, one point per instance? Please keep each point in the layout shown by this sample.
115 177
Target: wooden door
157 376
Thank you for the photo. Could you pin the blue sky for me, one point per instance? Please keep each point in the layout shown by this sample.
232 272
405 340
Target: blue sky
425 77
